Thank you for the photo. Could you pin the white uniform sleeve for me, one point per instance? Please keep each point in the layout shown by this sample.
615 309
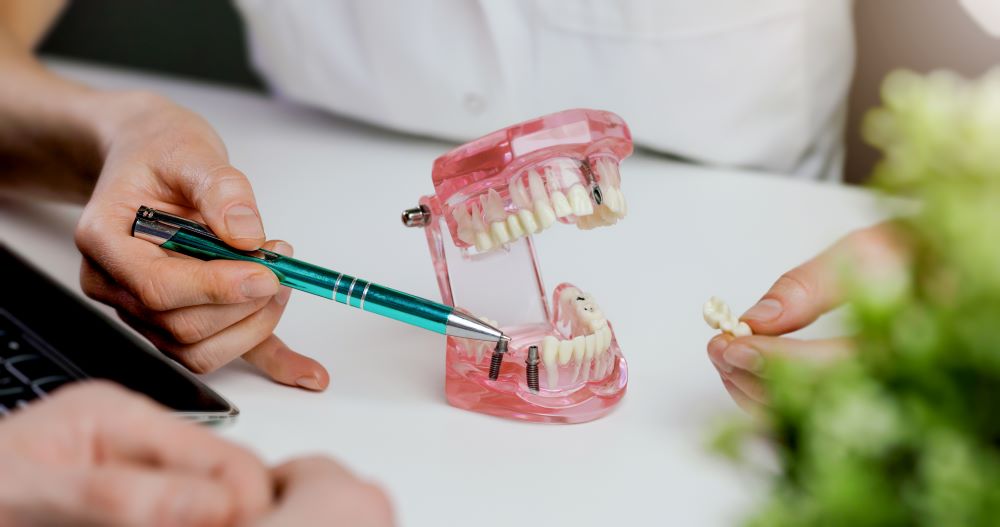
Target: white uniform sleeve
986 13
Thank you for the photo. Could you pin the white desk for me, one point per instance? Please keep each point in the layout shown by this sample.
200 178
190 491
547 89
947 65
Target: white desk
335 190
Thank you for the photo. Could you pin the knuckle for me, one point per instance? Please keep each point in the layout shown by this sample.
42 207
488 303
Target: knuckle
184 326
198 360
151 293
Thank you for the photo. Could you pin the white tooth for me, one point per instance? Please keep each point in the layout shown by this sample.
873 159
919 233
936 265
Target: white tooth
499 231
540 201
483 240
537 187
579 200
727 324
550 351
742 330
605 342
590 345
620 198
463 224
514 227
711 312
518 194
527 221
565 351
598 324
579 347
611 198
608 170
495 213
560 204
568 294
546 216
579 350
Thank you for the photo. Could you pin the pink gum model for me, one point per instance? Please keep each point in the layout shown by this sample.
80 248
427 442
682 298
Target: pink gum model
490 197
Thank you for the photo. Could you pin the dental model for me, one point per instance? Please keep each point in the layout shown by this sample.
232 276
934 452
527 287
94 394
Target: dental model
718 316
563 363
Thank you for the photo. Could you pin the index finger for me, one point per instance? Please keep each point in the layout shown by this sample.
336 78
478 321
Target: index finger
161 281
803 294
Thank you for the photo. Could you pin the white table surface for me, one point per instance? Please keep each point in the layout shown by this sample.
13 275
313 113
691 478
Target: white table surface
335 190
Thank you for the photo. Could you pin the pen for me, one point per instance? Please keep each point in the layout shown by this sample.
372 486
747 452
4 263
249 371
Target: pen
188 237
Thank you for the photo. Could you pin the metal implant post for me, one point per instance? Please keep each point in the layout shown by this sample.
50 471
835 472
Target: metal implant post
497 359
531 369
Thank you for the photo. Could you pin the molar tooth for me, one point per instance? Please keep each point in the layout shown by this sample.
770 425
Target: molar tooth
550 350
579 200
565 351
528 221
514 227
742 330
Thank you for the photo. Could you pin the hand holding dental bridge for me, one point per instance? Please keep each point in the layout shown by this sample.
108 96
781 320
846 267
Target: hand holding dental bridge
874 256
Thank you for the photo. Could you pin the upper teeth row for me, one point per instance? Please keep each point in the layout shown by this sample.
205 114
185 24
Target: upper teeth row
718 315
487 224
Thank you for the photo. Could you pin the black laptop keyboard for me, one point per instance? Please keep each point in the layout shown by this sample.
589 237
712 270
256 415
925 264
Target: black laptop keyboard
29 368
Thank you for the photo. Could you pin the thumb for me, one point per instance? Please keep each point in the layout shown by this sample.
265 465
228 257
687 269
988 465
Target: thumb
801 295
126 496
224 197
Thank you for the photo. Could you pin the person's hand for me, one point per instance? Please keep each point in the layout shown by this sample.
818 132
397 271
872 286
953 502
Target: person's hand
204 314
95 454
796 300
318 491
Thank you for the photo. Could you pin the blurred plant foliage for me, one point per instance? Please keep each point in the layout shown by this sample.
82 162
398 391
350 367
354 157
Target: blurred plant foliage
907 432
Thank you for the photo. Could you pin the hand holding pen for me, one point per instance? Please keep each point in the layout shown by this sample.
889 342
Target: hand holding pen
203 314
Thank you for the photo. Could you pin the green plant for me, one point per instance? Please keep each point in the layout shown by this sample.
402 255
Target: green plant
907 432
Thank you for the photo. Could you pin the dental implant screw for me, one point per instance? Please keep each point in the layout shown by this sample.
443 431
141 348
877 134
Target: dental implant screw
531 369
497 359
417 216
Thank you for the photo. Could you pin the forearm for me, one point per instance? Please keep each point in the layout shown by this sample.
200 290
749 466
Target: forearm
50 127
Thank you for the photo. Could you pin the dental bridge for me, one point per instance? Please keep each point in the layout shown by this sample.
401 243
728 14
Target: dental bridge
562 363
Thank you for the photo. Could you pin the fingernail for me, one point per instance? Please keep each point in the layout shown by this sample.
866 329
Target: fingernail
715 349
764 311
309 383
743 357
258 285
283 248
243 222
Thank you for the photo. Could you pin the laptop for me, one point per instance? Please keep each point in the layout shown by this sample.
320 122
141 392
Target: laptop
50 338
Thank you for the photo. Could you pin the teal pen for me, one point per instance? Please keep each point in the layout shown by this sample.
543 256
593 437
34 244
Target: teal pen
188 237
